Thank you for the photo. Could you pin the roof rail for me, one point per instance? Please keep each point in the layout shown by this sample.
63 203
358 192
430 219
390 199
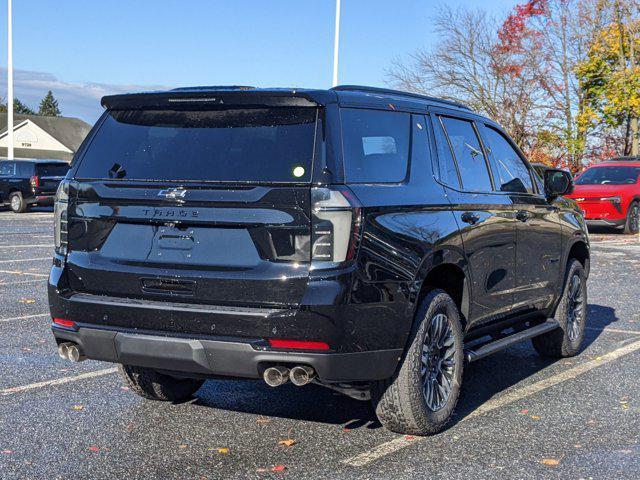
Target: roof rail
388 91
212 87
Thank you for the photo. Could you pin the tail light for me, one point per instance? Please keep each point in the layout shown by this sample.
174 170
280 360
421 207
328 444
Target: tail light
34 181
335 227
60 218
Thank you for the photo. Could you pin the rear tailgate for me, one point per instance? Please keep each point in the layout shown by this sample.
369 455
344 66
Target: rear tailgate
49 177
220 245
195 206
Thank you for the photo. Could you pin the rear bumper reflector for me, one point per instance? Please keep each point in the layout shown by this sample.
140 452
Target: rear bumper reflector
64 323
297 344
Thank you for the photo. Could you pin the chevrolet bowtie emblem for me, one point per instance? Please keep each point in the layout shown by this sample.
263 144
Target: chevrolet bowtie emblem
173 193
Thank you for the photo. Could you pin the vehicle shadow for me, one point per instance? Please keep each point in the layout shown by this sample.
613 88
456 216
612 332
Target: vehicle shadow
482 381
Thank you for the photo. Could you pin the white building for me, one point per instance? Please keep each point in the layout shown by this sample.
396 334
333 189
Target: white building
38 136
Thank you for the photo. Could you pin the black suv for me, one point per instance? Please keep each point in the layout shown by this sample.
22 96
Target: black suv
367 240
24 183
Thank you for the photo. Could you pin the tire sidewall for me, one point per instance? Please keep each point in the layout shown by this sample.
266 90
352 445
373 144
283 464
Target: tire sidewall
437 301
20 206
628 229
571 347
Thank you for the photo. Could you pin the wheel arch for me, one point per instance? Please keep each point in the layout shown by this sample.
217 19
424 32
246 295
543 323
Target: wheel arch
579 250
446 269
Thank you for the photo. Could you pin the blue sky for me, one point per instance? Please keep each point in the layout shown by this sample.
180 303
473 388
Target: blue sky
84 49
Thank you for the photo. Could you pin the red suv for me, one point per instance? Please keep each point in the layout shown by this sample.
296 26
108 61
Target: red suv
609 193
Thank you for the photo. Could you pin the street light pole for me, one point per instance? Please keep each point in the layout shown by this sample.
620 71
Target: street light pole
336 44
9 84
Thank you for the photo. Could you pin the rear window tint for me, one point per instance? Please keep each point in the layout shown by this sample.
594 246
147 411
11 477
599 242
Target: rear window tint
376 145
51 170
232 145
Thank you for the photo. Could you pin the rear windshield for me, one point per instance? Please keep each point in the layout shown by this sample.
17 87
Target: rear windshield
232 145
51 170
609 176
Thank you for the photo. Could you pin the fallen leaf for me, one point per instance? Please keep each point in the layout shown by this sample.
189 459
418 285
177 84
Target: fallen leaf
78 407
550 462
278 468
524 412
126 389
346 430
7 452
287 443
182 447
27 300
577 445
535 417
262 420
93 448
223 451
409 437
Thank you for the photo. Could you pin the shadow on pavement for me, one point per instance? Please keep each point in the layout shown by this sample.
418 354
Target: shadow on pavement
482 381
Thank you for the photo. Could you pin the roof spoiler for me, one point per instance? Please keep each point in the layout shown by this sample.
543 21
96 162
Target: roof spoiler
211 96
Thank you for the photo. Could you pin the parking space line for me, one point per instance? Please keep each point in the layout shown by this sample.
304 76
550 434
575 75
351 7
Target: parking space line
18 272
58 381
387 448
27 246
39 280
25 260
25 317
613 330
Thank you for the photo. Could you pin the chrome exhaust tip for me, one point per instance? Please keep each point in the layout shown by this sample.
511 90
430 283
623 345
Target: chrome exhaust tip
276 376
301 375
74 354
63 350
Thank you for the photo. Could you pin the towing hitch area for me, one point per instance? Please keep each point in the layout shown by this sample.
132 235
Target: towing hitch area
71 351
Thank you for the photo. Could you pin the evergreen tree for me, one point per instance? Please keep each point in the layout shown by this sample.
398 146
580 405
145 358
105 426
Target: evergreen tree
21 108
49 106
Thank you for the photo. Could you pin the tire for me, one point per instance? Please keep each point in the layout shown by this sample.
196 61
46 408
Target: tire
571 313
632 224
152 385
401 402
17 203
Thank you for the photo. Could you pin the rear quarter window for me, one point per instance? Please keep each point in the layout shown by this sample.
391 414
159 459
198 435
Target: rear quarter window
7 169
376 145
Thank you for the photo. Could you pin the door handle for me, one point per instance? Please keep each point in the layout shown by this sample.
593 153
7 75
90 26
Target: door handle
470 218
522 215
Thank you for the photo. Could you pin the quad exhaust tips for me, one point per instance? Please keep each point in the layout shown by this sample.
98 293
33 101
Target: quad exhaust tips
276 376
301 375
279 375
70 351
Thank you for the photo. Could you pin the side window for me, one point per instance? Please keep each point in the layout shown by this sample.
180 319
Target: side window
468 154
446 164
510 172
7 169
376 145
25 169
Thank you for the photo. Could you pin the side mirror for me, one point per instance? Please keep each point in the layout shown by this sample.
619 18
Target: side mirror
557 183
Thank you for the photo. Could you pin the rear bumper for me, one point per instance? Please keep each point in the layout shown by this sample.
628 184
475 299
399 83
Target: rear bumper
605 223
227 357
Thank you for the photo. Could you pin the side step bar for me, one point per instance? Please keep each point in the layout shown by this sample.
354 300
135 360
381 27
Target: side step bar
486 349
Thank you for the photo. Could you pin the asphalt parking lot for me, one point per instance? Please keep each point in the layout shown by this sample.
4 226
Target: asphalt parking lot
520 416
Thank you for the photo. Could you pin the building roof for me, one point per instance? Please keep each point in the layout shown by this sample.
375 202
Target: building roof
67 130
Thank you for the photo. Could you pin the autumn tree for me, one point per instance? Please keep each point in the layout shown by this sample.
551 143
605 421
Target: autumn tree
467 64
610 74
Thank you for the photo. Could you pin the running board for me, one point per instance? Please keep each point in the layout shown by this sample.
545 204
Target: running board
486 349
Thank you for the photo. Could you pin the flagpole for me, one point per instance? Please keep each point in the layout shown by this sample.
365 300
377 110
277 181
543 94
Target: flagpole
9 83
336 44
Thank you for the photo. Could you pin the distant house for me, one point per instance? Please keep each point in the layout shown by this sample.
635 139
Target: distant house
43 137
